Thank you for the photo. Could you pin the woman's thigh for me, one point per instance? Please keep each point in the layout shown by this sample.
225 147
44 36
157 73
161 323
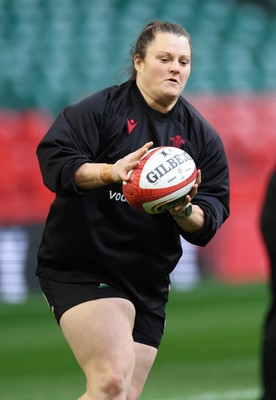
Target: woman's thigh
144 359
99 333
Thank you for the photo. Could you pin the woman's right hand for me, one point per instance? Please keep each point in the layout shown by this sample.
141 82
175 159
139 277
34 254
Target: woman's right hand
120 170
91 175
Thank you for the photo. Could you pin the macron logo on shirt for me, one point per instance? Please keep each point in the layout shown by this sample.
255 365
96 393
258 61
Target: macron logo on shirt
131 124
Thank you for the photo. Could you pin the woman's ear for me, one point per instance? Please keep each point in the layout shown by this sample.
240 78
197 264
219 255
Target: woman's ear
137 61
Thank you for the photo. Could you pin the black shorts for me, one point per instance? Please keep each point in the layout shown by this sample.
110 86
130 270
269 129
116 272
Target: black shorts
148 326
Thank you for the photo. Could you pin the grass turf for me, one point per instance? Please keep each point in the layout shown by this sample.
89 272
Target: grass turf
211 345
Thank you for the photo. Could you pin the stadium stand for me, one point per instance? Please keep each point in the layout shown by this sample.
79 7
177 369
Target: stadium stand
54 52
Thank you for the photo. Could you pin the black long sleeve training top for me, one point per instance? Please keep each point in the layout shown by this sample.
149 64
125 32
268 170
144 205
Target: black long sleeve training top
95 235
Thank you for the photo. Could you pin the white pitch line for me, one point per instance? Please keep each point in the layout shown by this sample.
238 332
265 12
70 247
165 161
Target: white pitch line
249 394
246 394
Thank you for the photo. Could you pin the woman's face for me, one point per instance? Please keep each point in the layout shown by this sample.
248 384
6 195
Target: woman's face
163 74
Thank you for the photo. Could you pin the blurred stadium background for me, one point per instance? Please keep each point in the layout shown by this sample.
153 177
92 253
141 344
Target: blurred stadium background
53 53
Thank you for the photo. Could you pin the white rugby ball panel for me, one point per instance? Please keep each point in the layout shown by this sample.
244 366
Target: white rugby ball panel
166 167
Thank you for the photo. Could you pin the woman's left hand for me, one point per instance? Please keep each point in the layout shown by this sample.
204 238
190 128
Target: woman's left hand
177 211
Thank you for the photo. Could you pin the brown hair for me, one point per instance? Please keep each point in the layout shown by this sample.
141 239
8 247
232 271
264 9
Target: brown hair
148 34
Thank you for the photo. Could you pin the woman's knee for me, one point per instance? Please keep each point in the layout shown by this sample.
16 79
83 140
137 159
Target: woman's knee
113 383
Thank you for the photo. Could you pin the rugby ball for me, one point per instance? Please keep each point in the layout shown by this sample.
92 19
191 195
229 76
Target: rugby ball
163 176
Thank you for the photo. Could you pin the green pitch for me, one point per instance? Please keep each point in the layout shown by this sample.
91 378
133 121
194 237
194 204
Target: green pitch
210 349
